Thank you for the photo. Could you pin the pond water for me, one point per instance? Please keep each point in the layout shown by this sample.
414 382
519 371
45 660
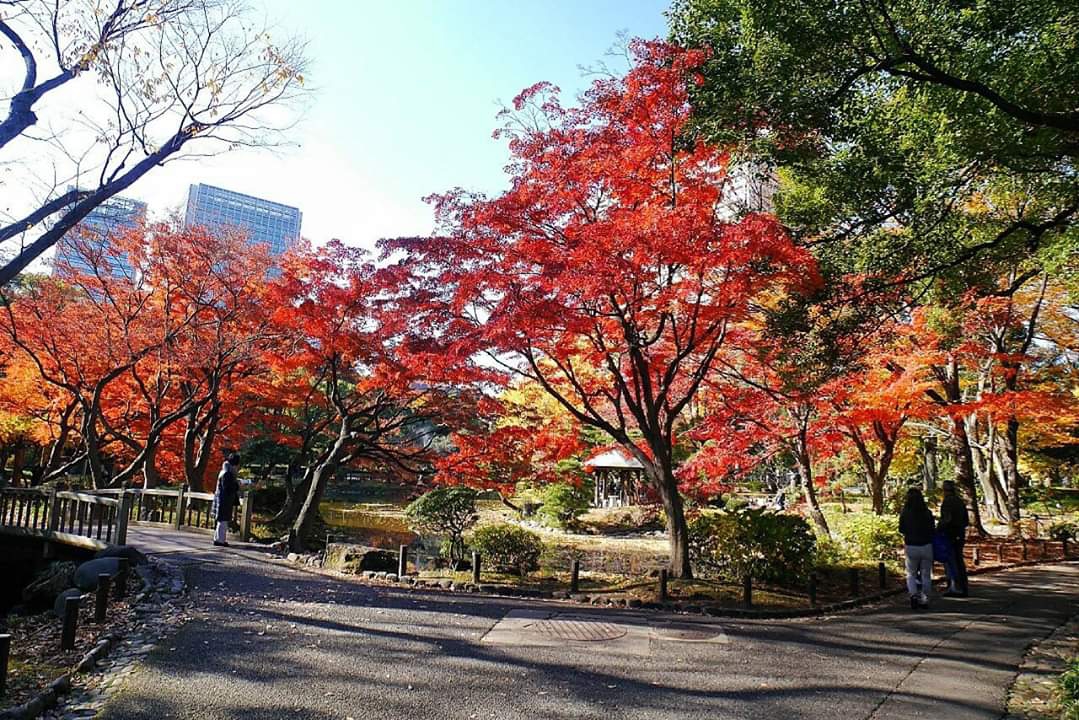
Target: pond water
371 524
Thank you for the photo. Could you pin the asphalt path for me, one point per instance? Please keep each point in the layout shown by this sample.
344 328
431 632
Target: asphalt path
273 641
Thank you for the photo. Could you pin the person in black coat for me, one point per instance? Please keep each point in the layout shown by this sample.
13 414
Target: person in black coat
226 497
954 521
916 525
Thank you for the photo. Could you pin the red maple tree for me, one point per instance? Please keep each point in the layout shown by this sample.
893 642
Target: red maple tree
605 273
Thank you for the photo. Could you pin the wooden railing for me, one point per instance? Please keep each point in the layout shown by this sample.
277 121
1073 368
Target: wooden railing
99 518
75 518
181 508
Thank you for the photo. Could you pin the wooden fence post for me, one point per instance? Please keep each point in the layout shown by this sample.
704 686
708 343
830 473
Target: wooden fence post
975 556
5 653
813 589
122 516
747 590
245 514
54 510
178 516
663 585
476 567
882 574
575 576
854 588
71 621
402 562
101 600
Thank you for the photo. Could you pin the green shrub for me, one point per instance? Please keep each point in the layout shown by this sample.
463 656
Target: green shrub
508 548
1069 690
1064 530
830 553
867 537
563 504
771 546
446 511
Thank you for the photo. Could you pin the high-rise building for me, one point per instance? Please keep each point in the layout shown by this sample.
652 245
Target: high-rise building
271 223
111 217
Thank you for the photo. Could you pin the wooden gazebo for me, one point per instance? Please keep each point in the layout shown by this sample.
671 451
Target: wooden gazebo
618 476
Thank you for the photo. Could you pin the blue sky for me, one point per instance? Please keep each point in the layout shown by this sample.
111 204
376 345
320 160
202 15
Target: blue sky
405 97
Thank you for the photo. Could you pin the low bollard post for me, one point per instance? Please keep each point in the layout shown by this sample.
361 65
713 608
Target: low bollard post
813 589
1023 543
402 561
245 514
1000 553
121 578
575 576
101 600
475 567
854 589
5 653
975 556
71 622
663 585
1064 548
747 590
882 575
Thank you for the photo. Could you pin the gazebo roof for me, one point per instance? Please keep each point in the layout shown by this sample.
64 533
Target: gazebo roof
613 459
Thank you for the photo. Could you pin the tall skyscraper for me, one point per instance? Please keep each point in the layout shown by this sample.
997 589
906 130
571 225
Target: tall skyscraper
106 220
271 223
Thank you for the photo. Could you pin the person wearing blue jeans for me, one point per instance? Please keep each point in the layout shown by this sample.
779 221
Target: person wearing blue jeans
916 524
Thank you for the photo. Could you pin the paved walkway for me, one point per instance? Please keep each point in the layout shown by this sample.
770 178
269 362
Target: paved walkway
278 642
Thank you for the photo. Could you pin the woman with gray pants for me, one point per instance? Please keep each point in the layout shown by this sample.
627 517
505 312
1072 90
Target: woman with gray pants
916 525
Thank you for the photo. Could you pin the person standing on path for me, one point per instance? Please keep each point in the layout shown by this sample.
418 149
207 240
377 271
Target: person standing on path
226 497
916 526
953 523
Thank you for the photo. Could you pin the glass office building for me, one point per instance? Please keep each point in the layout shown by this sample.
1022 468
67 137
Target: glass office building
270 223
106 220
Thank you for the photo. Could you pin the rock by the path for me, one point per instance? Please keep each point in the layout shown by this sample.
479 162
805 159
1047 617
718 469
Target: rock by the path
86 574
122 551
58 604
356 559
49 583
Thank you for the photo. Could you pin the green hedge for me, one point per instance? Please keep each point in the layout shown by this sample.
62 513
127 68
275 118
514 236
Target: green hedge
770 546
508 548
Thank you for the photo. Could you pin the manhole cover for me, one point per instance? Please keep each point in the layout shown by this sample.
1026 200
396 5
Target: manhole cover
686 632
579 628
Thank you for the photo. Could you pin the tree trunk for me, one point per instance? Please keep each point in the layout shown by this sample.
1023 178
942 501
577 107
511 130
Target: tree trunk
677 530
323 471
930 471
150 477
1009 463
18 460
992 492
805 474
199 438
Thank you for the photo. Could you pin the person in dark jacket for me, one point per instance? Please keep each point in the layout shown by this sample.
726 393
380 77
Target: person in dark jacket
226 497
916 526
954 520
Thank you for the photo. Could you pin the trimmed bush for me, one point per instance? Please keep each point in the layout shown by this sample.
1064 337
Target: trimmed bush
770 546
867 537
508 548
563 504
445 511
